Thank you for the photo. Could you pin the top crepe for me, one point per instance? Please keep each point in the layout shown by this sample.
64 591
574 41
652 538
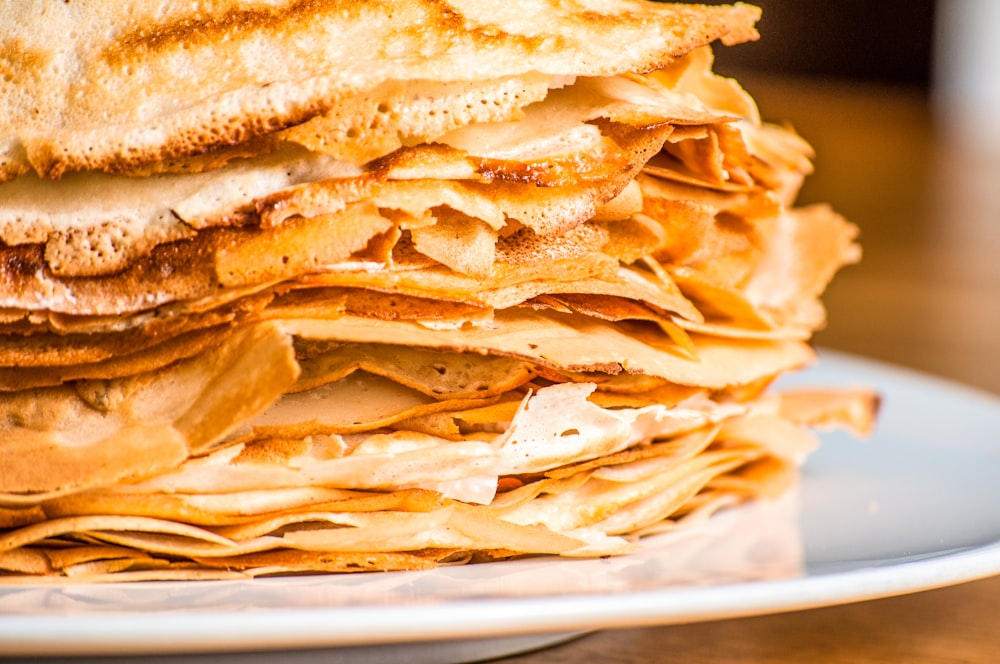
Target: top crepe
102 85
97 88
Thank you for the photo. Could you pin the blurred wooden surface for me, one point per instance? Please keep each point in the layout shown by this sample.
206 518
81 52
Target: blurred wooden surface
926 296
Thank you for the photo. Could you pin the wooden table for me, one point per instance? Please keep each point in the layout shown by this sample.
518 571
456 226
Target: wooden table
926 296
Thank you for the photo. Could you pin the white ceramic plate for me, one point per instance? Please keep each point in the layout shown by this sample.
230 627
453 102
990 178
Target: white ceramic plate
915 507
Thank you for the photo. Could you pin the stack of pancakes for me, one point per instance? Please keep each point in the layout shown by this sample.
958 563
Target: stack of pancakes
337 286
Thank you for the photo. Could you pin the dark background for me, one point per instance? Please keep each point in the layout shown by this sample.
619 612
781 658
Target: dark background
883 41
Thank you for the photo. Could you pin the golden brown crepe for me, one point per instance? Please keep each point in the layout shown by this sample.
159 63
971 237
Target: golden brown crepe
345 286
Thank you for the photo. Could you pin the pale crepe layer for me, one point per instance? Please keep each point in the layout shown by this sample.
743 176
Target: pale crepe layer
618 472
566 342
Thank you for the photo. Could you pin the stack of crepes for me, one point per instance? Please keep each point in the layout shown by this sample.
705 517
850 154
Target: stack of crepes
338 286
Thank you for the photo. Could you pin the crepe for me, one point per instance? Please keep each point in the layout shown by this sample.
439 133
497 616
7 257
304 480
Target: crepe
458 285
